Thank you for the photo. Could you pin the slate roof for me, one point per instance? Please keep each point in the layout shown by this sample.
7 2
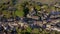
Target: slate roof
55 13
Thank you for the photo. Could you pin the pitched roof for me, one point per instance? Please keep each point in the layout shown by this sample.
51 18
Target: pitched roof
55 13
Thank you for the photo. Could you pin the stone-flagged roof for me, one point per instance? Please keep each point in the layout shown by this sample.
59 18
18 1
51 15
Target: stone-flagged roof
58 24
55 13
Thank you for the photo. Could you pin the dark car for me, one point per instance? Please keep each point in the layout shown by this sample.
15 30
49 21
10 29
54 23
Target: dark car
25 20
17 18
44 26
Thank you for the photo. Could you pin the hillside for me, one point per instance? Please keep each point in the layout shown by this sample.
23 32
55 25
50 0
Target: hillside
42 1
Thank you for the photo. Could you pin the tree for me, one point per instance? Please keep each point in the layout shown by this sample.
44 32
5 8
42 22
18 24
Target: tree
35 31
25 9
18 30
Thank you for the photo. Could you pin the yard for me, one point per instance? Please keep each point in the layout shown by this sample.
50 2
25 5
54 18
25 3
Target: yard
19 13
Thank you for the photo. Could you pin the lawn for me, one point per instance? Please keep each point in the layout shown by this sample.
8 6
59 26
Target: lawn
19 13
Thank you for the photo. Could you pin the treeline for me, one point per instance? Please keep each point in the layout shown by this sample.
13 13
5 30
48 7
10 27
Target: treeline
21 9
